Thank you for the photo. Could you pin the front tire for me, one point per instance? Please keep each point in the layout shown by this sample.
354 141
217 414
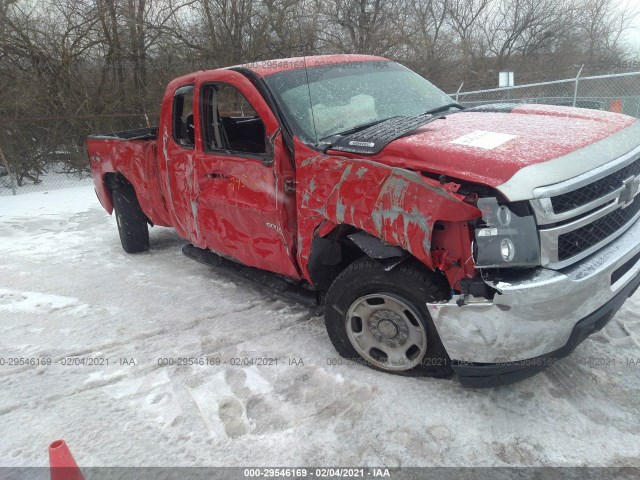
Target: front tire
379 318
131 220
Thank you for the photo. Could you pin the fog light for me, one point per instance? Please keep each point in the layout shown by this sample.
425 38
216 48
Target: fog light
507 250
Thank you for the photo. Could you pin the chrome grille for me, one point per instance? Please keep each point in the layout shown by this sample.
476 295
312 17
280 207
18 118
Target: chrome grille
599 188
577 217
577 241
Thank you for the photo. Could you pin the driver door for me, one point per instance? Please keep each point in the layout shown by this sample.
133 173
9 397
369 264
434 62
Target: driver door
242 210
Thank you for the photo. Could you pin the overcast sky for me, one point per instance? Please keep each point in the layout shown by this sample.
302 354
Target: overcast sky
634 35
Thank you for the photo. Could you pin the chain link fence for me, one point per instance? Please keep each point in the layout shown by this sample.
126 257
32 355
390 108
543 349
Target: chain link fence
48 153
52 175
618 93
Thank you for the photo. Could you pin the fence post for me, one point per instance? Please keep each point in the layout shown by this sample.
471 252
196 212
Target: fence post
575 90
6 166
459 88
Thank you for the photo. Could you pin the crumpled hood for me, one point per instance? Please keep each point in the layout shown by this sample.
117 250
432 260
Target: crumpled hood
491 148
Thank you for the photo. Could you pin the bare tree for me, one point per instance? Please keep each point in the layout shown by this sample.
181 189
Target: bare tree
68 68
430 40
602 23
364 26
525 26
465 18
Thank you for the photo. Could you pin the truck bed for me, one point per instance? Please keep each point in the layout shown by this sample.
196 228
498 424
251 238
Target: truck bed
131 154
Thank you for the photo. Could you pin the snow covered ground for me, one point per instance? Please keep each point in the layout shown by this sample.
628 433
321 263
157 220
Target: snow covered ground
51 179
68 290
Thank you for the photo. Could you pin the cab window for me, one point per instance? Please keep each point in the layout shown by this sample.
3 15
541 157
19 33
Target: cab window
183 130
230 122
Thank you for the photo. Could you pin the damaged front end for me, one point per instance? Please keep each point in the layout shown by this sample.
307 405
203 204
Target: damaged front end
516 317
406 214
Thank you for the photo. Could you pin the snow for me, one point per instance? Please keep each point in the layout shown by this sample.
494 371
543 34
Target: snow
67 290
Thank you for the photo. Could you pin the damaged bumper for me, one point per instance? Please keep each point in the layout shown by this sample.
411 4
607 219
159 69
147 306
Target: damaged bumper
540 315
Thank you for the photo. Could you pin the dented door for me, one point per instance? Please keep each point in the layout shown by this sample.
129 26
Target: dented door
240 204
177 158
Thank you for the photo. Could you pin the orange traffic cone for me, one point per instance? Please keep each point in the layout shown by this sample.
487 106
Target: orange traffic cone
63 466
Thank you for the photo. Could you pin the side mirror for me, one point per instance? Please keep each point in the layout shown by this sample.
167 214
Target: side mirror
270 147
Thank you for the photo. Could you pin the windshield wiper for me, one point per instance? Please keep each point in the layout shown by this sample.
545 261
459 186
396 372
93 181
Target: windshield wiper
327 144
399 126
349 131
443 108
373 139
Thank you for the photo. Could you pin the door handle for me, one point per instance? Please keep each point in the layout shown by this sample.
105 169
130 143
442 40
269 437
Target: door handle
215 175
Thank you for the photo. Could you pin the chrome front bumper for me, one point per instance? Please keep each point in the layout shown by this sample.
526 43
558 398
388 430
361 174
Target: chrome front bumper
536 311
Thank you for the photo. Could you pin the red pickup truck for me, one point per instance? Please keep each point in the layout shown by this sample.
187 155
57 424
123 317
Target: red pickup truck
485 241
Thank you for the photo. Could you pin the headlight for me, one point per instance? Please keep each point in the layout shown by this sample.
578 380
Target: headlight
508 236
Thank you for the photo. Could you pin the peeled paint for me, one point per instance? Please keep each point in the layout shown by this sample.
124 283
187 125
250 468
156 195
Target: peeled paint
393 204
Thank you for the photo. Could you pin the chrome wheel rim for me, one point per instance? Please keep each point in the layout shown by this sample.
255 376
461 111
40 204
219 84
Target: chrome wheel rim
386 332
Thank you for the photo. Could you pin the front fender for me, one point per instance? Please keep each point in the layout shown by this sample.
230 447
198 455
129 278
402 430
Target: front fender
396 205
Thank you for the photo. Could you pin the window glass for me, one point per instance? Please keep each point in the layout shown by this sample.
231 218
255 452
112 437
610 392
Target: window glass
230 122
325 100
183 130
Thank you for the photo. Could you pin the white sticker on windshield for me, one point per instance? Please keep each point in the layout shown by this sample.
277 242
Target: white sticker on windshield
482 139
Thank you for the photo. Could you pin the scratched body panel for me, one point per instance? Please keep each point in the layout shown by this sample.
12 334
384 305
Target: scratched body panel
237 211
240 208
243 214
177 165
253 213
136 160
396 205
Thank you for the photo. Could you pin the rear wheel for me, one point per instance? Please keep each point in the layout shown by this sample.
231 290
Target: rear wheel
379 318
132 222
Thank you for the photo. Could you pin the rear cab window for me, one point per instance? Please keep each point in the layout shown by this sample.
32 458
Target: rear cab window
183 123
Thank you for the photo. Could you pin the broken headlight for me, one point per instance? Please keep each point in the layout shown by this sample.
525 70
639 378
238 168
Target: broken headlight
506 237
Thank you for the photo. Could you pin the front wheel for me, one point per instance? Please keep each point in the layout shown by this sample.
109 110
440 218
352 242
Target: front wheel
379 318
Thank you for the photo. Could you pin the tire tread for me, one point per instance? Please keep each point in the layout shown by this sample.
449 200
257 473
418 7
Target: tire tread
420 282
132 224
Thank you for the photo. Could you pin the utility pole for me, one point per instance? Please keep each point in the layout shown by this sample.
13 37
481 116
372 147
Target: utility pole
575 90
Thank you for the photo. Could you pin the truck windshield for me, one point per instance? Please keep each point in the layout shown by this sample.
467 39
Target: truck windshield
326 100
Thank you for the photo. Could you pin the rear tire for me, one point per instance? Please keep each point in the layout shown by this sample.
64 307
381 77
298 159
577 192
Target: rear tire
131 220
379 318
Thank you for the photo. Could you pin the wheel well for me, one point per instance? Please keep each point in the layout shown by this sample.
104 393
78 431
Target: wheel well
332 253
115 180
